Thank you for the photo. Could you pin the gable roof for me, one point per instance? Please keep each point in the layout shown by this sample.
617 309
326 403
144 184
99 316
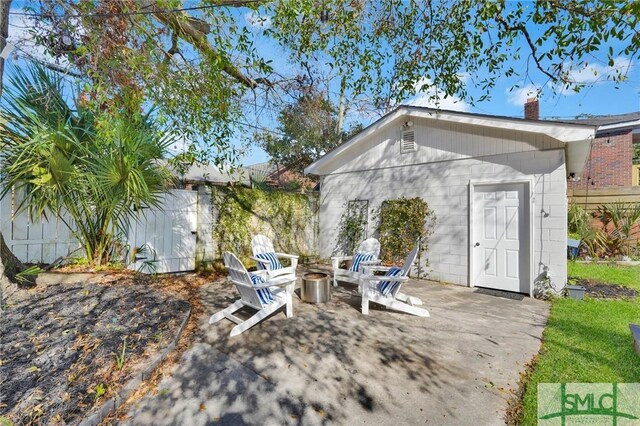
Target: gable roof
561 131
208 173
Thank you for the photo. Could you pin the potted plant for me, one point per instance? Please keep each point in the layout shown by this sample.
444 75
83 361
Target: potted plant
635 331
574 291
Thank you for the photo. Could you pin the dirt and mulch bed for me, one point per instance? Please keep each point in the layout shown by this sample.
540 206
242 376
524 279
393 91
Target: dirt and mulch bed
62 346
189 288
603 291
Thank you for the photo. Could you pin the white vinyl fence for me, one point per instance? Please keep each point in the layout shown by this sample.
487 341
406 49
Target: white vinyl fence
168 235
41 241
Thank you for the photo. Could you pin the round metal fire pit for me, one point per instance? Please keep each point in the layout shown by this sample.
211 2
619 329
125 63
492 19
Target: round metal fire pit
316 287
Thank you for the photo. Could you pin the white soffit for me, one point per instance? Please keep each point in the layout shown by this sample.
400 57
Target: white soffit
563 132
622 125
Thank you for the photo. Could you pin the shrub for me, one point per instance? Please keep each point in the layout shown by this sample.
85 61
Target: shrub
579 222
607 232
95 168
403 223
619 222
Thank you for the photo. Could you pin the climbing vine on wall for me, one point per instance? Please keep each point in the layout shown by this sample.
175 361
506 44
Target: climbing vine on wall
352 228
287 218
402 223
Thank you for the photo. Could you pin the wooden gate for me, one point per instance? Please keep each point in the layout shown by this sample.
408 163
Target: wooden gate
164 240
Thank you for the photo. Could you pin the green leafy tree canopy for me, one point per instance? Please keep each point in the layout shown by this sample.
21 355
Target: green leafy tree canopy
385 50
307 130
200 63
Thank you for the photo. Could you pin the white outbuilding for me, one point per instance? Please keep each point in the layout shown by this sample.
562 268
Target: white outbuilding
497 185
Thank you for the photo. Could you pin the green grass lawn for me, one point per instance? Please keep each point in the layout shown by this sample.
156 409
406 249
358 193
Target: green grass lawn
609 273
588 341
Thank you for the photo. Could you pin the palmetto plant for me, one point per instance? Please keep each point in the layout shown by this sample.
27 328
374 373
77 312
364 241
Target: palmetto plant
619 226
580 223
90 170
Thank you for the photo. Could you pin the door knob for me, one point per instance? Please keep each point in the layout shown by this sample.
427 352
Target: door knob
476 244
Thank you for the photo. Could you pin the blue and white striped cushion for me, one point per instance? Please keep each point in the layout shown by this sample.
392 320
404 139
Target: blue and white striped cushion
360 257
264 294
274 263
387 287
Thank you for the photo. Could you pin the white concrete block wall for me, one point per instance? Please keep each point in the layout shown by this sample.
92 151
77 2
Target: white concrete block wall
445 187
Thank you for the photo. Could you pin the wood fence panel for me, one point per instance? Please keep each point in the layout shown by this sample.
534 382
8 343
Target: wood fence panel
590 199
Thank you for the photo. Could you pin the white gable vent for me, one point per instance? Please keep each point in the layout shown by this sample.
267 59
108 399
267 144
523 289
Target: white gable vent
408 141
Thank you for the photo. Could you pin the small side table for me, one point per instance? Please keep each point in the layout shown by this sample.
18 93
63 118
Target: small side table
316 287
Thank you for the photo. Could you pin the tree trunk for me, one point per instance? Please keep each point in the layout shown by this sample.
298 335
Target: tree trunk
9 264
194 31
341 109
5 5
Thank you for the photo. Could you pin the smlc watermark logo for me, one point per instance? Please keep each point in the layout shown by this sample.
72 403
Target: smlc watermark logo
589 404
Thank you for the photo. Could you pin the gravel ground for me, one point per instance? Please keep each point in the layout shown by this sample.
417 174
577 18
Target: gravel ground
58 348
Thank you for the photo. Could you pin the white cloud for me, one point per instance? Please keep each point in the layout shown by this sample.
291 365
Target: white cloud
256 20
427 96
518 96
592 74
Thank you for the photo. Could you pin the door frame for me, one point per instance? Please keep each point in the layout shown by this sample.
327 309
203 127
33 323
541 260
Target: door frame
528 193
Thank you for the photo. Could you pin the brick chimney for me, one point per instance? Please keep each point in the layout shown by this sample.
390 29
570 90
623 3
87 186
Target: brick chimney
532 109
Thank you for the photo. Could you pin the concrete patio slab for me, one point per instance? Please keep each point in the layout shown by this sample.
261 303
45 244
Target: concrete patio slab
331 364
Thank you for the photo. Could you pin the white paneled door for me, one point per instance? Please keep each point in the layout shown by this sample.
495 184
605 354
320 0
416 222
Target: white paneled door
500 237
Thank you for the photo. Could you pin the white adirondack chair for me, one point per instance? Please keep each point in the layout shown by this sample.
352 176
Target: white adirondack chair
267 297
369 247
267 259
385 290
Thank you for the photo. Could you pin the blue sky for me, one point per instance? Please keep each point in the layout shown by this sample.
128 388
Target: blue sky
600 97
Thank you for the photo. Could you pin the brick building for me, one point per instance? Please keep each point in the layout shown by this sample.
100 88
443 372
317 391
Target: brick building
610 160
610 163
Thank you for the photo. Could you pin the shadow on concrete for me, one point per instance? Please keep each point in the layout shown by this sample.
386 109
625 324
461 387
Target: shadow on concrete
331 364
